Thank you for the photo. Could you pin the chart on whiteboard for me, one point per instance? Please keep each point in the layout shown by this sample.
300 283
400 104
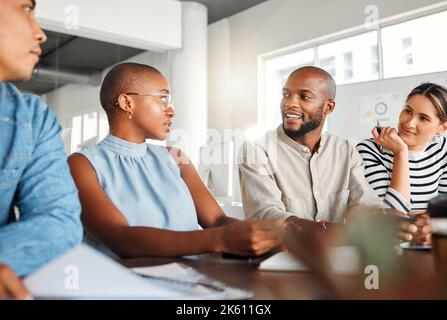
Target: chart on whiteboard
384 108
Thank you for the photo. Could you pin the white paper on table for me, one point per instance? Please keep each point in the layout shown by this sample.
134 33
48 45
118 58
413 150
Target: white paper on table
344 260
180 271
282 261
84 273
169 270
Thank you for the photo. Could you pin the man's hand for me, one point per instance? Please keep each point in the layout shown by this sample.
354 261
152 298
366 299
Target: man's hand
252 237
319 226
11 285
305 225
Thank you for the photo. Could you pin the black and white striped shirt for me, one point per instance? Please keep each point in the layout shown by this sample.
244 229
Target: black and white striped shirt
428 174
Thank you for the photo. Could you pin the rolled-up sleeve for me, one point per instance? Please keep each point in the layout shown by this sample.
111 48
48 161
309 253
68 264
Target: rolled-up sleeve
47 199
377 176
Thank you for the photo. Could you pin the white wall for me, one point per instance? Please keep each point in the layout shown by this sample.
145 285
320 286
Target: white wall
189 82
148 24
71 100
219 75
238 40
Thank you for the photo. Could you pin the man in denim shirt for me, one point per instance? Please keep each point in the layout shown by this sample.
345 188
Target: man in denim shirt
39 206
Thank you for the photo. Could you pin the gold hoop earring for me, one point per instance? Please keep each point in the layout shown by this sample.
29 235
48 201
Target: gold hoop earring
436 138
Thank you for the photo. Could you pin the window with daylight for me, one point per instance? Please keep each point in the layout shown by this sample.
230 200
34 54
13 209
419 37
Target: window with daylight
407 48
415 46
349 72
328 64
397 49
349 59
374 53
87 129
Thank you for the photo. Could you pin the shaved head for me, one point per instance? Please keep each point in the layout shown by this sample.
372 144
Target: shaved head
318 73
124 78
308 96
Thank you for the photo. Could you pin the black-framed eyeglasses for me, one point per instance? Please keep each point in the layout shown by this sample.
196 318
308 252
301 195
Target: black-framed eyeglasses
166 98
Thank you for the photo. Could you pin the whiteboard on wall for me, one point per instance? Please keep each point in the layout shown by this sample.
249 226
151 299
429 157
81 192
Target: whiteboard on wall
359 105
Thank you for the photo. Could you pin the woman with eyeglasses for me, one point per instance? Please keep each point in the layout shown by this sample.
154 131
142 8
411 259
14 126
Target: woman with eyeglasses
407 165
143 199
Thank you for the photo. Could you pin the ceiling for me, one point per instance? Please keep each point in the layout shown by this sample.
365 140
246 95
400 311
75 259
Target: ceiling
220 9
74 54
80 58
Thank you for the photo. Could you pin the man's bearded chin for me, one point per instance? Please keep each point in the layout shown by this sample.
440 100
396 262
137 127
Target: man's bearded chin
306 127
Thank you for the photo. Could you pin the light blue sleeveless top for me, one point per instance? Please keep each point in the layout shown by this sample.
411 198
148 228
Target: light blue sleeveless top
144 183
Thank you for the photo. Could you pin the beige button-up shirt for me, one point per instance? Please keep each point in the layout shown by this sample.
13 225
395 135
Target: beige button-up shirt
280 178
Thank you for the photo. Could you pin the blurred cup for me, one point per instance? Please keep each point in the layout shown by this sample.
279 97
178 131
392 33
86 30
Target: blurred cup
437 210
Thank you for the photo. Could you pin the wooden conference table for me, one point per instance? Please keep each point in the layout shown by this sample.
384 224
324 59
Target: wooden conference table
282 285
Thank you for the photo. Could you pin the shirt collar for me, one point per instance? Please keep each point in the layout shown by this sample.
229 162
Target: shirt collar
124 147
302 148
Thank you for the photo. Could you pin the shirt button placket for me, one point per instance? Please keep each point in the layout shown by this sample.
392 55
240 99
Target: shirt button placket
315 184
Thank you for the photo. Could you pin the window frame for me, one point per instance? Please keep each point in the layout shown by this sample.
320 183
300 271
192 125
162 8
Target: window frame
344 34
82 114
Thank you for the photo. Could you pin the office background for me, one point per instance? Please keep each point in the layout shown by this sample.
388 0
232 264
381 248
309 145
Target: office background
227 61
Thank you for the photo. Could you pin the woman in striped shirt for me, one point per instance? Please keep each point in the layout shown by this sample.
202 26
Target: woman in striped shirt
407 166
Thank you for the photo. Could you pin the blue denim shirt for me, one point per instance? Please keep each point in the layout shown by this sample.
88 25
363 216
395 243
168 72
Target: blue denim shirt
35 178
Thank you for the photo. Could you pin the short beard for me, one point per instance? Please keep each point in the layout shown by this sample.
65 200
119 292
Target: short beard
307 126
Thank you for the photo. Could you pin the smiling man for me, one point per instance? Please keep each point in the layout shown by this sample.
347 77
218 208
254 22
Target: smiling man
39 205
297 173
